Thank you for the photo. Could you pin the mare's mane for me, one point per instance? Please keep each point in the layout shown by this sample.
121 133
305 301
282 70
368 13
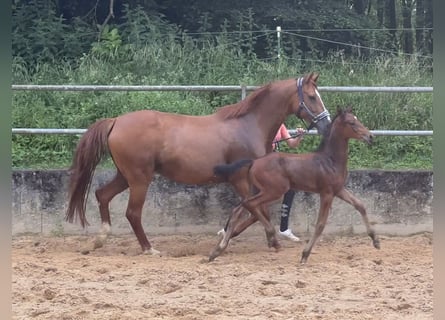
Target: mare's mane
243 107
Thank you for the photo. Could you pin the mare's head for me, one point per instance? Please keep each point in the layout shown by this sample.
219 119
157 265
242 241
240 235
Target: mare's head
350 126
309 107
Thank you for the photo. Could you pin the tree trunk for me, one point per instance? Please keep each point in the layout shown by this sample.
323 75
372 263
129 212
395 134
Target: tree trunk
380 11
407 35
420 24
359 6
429 25
391 23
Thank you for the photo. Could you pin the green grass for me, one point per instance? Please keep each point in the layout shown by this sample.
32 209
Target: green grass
172 64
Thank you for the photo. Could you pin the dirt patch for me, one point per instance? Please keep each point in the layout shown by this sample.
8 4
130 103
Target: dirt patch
345 278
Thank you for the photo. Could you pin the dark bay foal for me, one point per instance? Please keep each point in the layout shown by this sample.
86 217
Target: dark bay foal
323 171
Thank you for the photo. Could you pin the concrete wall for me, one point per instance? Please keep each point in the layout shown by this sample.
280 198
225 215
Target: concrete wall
398 202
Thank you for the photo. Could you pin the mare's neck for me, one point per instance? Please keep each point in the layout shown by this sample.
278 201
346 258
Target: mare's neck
272 111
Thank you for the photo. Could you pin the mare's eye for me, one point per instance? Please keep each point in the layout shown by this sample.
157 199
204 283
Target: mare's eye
313 98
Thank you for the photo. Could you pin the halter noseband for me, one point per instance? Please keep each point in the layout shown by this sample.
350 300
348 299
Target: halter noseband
314 118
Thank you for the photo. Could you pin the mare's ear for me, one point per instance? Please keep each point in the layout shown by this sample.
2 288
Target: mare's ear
313 76
349 109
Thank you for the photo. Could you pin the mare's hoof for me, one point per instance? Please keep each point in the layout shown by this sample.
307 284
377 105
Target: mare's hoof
152 252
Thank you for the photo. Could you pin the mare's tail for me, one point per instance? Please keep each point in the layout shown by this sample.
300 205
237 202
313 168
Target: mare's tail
226 170
92 146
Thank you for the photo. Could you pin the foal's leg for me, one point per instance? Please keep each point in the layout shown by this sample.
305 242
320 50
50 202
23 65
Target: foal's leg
347 196
257 205
243 225
325 205
242 186
104 195
233 220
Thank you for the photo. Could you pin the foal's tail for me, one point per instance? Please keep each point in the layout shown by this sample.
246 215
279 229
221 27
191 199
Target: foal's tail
226 170
92 146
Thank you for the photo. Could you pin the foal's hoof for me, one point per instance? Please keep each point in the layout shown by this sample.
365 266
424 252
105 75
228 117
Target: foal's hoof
376 243
304 257
275 244
152 252
98 243
213 255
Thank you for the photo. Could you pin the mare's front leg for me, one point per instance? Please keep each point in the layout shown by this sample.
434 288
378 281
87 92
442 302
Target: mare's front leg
348 197
325 205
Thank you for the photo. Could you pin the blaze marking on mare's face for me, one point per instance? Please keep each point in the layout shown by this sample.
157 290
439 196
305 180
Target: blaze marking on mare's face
322 103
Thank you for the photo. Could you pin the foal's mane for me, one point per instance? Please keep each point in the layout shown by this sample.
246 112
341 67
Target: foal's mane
325 138
243 107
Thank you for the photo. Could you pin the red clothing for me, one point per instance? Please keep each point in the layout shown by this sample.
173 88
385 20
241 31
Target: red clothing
281 134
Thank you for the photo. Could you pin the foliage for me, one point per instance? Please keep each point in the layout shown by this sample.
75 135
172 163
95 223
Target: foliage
144 49
39 34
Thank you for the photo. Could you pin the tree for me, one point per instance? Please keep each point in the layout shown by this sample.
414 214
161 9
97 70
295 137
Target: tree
359 6
380 11
429 26
407 33
390 22
420 23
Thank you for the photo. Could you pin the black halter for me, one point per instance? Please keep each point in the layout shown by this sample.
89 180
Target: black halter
314 118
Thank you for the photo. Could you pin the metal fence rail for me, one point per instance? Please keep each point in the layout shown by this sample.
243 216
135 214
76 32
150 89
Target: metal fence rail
243 88
311 132
36 87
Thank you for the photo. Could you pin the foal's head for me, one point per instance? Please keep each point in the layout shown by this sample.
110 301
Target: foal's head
351 126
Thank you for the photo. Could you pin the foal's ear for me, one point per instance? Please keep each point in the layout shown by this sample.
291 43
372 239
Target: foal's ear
339 110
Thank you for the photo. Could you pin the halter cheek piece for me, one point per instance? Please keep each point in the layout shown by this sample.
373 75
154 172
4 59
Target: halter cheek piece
314 118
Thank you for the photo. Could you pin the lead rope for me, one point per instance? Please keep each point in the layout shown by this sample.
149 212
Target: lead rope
277 142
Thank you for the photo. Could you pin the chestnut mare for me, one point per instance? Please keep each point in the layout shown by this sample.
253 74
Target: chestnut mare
184 148
323 171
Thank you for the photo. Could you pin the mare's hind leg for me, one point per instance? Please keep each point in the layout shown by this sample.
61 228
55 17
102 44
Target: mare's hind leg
325 205
104 195
347 196
136 201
